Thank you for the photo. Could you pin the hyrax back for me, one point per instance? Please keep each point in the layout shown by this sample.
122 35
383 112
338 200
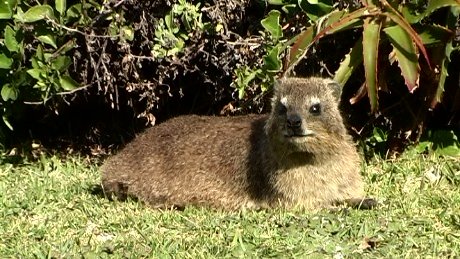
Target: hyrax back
298 156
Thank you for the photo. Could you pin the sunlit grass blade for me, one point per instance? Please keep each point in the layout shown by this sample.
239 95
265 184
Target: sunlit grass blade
50 208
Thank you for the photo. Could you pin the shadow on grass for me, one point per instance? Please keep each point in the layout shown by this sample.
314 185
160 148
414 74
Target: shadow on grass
98 190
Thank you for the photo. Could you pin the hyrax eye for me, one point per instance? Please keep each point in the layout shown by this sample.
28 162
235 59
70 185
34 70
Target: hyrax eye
315 109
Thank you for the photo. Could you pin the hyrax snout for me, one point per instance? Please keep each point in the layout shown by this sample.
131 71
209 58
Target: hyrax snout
298 156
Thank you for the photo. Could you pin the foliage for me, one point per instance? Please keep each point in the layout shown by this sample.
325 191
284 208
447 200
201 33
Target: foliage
146 56
399 23
49 209
405 26
440 142
172 31
376 144
135 57
271 61
277 42
415 37
432 142
34 51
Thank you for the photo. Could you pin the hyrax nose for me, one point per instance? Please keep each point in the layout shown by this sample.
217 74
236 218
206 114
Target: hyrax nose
294 121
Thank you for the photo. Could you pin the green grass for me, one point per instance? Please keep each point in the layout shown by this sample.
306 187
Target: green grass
48 209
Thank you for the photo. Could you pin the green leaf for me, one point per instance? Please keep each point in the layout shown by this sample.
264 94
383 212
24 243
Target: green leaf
448 151
443 59
247 76
350 63
272 24
398 19
61 63
315 9
127 33
432 6
241 93
39 53
21 78
333 17
247 80
7 122
434 34
276 2
445 143
48 39
42 86
289 8
9 93
67 83
186 23
48 56
6 9
74 11
35 62
38 12
10 39
423 146
308 37
339 21
55 81
5 61
371 39
379 135
169 21
36 73
69 45
61 6
272 61
405 53
299 49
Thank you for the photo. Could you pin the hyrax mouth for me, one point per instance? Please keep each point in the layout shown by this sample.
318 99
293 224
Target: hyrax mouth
299 134
296 136
297 139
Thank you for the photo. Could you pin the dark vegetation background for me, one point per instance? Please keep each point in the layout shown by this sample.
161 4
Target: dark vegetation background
126 89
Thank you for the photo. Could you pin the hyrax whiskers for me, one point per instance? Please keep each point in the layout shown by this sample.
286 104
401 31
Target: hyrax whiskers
298 156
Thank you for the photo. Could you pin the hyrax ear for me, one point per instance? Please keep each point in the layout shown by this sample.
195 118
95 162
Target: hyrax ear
335 87
277 84
276 88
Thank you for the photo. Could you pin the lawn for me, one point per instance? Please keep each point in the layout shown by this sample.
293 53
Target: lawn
49 209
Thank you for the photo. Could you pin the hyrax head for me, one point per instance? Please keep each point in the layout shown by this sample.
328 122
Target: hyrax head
305 115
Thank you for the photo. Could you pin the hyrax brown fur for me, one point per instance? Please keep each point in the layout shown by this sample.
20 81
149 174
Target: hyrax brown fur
299 156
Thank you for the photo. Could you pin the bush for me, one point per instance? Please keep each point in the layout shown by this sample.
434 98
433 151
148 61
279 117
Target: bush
143 56
401 31
157 59
34 56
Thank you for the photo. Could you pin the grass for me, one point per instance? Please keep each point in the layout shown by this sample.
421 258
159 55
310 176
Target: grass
48 209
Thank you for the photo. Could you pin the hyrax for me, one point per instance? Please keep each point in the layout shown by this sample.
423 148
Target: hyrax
298 156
